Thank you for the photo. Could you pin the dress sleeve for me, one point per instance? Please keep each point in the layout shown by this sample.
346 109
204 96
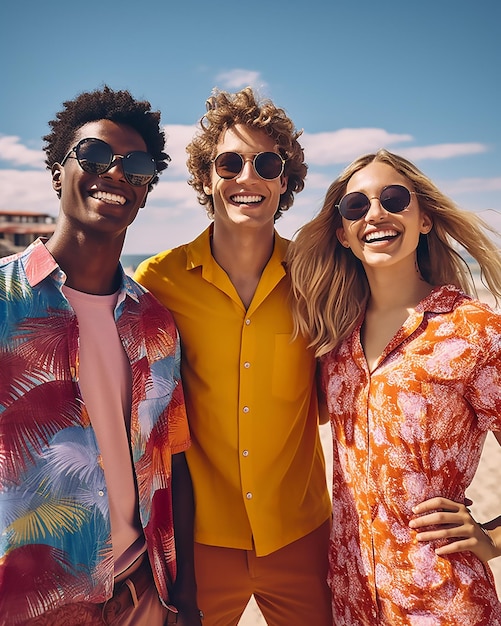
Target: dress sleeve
484 387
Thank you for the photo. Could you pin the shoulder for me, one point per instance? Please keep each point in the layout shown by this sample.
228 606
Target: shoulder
282 244
160 259
155 317
153 272
466 321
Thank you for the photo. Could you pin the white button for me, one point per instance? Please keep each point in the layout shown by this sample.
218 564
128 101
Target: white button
246 364
246 409
248 495
100 492
245 453
247 322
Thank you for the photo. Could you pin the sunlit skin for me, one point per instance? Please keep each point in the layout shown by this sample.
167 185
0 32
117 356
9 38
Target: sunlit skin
83 201
95 211
244 210
229 196
396 287
394 252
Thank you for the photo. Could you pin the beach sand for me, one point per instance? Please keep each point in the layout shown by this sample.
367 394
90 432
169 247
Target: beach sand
485 491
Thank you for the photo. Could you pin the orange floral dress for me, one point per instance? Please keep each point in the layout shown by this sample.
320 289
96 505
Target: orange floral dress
412 429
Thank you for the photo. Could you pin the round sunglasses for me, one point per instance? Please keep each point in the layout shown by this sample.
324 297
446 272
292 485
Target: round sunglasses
267 165
95 156
393 198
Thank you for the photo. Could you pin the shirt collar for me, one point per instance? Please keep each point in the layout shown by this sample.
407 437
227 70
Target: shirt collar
39 263
199 250
442 299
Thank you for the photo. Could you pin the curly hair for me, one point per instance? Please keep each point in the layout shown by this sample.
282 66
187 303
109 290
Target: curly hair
330 288
106 104
225 110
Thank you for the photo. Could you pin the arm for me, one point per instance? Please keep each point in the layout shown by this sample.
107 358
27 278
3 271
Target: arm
184 595
323 412
453 521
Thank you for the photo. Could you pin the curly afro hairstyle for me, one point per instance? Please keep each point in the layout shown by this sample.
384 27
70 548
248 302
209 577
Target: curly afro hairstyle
225 110
106 104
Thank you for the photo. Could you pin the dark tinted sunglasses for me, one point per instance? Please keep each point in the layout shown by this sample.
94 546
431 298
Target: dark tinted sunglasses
267 165
96 157
394 198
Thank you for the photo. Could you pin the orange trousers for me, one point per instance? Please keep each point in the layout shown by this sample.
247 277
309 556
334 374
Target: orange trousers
289 585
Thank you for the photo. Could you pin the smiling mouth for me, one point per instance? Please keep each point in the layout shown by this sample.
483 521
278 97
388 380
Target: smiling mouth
109 198
241 199
380 235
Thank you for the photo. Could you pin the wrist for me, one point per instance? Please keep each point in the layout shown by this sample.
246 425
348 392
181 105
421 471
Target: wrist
492 534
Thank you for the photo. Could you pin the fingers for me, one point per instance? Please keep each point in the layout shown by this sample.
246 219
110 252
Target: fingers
479 543
443 520
441 512
443 526
457 546
439 503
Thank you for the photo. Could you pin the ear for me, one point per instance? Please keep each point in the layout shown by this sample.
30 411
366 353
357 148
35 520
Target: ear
141 206
208 190
284 180
341 236
426 224
57 183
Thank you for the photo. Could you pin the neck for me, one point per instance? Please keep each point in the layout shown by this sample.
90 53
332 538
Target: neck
245 252
393 289
243 256
91 267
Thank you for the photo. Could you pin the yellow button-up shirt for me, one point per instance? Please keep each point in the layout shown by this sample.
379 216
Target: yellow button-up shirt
256 459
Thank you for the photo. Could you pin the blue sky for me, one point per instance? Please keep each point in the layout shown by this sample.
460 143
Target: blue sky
419 78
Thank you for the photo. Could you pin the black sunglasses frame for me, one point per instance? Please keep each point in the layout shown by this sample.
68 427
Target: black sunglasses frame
362 209
99 167
255 164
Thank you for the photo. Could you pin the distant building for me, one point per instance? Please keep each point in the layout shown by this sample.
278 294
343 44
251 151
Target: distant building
20 228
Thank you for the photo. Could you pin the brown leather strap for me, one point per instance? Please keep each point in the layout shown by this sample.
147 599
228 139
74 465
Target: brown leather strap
123 594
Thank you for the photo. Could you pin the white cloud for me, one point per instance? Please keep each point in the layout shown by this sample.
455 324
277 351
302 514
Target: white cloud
12 151
177 136
442 151
239 78
469 185
170 192
342 146
345 145
27 191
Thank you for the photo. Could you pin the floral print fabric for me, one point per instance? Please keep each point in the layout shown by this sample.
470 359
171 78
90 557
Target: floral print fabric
408 431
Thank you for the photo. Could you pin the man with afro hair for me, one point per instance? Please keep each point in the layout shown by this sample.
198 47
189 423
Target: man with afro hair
96 504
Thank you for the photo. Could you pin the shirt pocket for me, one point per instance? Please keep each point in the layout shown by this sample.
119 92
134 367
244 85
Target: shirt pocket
293 368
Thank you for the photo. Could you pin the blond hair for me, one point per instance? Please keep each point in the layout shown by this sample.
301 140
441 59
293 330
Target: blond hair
329 286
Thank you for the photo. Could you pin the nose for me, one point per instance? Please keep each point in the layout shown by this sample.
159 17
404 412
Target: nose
247 170
115 170
376 210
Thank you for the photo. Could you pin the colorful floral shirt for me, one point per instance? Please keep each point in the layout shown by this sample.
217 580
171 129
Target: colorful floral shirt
55 541
411 430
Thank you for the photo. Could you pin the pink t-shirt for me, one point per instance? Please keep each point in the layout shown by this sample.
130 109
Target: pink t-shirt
105 382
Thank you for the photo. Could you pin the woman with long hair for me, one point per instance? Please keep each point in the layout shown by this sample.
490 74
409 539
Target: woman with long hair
410 365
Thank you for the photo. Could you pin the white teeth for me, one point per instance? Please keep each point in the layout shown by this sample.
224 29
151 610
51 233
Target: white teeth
380 234
246 199
112 198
